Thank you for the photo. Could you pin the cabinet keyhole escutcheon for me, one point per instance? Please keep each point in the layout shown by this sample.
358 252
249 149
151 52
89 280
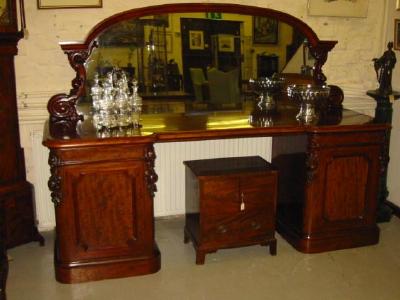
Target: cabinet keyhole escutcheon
242 204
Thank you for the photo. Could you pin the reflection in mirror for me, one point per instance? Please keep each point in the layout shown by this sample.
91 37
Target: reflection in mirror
205 58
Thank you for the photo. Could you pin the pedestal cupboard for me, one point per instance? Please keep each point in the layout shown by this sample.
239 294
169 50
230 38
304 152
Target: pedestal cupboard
104 210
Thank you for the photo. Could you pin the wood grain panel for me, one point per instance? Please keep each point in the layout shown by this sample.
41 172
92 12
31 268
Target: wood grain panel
346 187
109 193
102 202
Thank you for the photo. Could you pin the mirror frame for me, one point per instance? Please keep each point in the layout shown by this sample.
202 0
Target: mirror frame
62 107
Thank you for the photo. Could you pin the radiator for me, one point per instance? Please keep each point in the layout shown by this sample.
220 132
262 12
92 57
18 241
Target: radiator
170 197
40 175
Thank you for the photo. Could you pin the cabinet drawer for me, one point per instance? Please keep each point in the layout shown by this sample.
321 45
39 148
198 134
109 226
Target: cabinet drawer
238 227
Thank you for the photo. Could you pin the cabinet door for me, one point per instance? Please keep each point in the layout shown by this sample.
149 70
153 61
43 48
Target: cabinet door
342 194
102 202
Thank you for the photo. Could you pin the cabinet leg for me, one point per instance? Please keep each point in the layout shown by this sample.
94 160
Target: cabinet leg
200 257
39 238
272 248
185 237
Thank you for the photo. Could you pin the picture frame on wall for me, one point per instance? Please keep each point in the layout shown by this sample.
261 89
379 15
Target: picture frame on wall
396 43
265 30
196 40
226 43
338 8
56 4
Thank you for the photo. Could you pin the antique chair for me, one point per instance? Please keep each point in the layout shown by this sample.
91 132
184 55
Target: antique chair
200 84
224 87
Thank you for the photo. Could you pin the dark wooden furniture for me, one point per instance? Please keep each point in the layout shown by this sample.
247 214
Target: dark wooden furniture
3 268
383 114
16 199
230 202
103 186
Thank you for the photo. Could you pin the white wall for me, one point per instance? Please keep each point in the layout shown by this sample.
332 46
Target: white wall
394 153
43 70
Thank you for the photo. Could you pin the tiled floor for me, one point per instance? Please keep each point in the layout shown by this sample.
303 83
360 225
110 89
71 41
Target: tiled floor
245 273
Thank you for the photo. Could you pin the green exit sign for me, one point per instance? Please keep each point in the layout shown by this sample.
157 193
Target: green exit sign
214 15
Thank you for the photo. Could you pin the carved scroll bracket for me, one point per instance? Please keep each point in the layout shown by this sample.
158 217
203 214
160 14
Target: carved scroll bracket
150 175
54 182
62 107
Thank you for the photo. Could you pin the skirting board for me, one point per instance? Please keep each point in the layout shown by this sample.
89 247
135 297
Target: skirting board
396 209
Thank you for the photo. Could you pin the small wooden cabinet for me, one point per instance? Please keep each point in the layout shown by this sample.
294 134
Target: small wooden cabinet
230 202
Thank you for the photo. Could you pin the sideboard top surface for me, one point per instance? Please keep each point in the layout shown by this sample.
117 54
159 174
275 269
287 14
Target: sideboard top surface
180 126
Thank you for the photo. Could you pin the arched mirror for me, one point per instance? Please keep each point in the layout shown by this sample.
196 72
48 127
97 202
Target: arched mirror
203 54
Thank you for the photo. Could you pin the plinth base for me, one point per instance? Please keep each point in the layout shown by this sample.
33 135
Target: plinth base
97 269
328 241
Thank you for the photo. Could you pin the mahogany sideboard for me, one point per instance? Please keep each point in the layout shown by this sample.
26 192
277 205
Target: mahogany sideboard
103 187
103 182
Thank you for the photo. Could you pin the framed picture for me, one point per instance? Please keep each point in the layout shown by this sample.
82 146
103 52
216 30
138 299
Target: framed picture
196 40
128 33
396 42
338 8
226 43
53 4
265 30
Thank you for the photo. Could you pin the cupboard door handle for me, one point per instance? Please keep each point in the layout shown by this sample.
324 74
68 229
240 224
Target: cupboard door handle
242 204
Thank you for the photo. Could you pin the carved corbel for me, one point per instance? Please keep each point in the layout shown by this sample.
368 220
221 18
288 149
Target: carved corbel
312 160
151 176
54 182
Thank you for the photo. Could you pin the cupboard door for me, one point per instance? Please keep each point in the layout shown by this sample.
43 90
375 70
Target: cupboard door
259 192
343 193
102 202
220 196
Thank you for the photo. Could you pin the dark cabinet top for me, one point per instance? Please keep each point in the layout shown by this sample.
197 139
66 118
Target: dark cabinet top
228 165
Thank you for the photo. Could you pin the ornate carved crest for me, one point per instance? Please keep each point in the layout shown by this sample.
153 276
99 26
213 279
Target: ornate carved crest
62 107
